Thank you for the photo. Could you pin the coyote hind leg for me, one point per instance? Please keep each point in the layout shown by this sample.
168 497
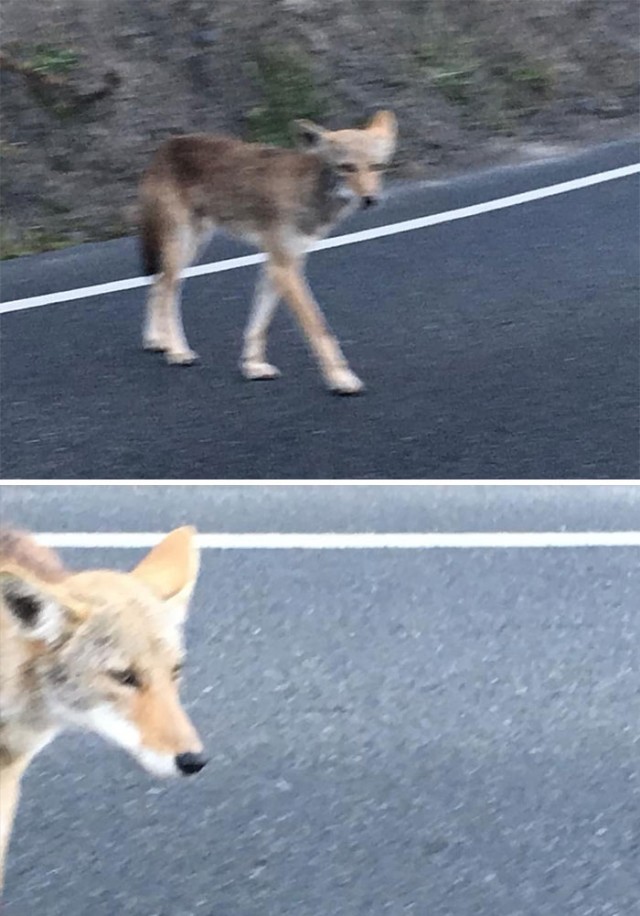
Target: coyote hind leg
163 329
253 361
153 335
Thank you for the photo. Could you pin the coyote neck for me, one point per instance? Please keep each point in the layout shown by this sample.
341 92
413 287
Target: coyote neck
26 721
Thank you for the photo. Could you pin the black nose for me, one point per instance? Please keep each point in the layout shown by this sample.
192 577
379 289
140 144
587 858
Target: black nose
369 202
190 763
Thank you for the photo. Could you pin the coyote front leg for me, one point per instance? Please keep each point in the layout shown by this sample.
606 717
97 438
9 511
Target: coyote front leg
288 280
253 362
10 776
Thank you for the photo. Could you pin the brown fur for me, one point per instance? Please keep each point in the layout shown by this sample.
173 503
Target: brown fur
68 639
278 199
17 547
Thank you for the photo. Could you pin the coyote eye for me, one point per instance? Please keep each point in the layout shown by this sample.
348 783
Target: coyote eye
127 677
378 167
176 671
347 167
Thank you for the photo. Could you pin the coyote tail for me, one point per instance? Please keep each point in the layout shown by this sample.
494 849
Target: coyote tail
150 242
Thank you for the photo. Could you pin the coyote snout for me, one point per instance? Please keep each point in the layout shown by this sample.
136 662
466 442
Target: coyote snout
101 650
188 764
279 199
166 766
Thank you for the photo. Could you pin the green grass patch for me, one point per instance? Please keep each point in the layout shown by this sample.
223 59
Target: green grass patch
490 92
526 86
448 62
10 150
491 84
50 60
46 68
288 90
31 241
455 85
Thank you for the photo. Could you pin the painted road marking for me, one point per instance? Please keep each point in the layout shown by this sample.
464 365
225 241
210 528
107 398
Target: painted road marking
333 540
352 238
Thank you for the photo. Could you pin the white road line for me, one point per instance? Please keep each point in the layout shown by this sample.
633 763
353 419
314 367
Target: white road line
332 540
346 482
421 222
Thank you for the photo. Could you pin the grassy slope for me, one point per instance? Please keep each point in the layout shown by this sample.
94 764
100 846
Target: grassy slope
89 90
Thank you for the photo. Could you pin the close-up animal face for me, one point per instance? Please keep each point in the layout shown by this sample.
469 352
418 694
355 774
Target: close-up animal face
112 652
359 155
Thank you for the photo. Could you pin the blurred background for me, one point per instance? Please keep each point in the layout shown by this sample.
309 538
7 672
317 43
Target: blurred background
90 89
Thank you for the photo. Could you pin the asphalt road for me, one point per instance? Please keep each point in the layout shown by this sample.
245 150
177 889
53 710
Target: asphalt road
438 733
503 345
323 507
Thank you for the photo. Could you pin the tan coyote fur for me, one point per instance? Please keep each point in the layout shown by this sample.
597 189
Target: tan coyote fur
281 200
98 649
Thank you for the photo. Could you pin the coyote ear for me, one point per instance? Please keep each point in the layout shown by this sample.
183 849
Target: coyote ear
37 613
170 570
308 135
384 122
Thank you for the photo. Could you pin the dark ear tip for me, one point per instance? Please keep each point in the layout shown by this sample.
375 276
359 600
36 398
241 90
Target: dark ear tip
306 132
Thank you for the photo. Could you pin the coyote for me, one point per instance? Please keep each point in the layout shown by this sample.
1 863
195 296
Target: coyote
97 649
281 200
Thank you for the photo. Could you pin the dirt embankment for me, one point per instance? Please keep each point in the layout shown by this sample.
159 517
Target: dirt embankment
91 87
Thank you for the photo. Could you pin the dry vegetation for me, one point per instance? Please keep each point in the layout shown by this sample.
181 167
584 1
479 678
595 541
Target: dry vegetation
90 87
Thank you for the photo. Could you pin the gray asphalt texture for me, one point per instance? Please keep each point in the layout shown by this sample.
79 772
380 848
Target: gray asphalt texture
440 733
502 346
323 507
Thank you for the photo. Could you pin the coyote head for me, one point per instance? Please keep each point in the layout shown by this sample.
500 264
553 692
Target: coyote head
104 651
358 155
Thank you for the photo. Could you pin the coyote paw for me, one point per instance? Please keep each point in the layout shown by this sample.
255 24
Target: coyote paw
254 370
181 357
344 381
153 345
